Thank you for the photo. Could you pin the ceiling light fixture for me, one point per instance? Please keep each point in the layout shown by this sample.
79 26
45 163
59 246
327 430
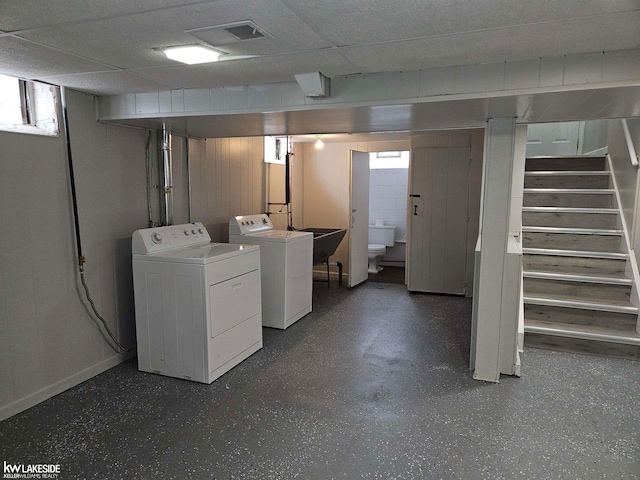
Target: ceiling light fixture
319 143
191 54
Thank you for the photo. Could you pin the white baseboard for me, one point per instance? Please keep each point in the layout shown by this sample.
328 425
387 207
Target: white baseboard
65 384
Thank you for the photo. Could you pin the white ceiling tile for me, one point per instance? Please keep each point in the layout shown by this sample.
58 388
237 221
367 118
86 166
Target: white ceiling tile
26 14
25 59
357 22
517 43
107 83
89 37
129 42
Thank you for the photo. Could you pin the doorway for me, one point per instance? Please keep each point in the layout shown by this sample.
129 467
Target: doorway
388 190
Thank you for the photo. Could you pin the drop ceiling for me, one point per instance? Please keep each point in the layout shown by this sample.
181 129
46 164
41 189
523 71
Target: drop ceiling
110 47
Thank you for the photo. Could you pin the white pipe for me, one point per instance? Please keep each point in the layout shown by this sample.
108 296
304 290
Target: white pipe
627 135
167 168
188 155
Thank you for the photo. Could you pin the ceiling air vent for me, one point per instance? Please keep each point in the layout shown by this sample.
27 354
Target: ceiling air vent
228 33
244 32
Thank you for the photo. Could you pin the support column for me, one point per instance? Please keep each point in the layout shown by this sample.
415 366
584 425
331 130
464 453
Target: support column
492 277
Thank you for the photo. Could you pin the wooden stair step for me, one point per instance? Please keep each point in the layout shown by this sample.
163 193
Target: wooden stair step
574 253
566 301
576 277
569 197
577 231
612 268
600 240
577 289
586 191
603 218
550 209
615 321
567 179
585 332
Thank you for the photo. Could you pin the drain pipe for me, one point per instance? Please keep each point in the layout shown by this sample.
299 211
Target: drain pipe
74 199
150 222
188 155
167 177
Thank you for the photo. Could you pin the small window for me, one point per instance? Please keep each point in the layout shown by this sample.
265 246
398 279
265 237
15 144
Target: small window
275 149
10 100
28 107
379 160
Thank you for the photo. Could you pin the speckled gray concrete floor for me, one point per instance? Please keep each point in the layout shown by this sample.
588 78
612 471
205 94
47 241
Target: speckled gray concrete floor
373 384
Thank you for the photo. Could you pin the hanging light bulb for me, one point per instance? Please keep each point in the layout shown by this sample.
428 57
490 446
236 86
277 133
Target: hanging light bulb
319 143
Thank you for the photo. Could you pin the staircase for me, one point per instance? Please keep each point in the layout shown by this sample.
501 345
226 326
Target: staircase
577 295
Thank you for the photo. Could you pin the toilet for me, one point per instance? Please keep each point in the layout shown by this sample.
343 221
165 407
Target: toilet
380 237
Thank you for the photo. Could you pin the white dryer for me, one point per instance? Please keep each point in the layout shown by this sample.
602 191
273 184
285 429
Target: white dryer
197 303
286 262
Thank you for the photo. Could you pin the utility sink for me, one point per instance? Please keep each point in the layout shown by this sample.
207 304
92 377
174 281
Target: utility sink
325 242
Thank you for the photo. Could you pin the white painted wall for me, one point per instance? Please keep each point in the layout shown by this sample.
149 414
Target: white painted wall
48 341
275 190
227 179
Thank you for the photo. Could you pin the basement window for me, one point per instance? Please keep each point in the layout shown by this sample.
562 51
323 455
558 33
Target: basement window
275 149
378 160
28 107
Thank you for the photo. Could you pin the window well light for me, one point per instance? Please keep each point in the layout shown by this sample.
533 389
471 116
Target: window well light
191 54
319 143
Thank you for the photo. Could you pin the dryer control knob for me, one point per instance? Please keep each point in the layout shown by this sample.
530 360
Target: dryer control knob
194 231
200 231
156 238
186 232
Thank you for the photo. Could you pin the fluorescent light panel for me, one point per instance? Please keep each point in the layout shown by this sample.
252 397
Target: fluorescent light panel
192 54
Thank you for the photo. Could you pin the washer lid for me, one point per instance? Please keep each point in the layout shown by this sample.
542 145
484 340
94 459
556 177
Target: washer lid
203 254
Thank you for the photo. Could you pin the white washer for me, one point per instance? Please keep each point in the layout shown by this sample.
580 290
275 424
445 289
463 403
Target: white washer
197 303
287 268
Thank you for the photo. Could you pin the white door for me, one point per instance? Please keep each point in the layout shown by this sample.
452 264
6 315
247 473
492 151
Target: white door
359 223
554 139
438 215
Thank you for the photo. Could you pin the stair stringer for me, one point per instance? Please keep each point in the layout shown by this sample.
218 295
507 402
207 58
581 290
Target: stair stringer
631 269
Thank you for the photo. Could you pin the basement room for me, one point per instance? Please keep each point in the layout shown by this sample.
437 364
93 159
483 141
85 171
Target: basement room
339 239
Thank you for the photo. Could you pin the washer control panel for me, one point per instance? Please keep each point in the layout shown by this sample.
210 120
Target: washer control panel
246 224
159 239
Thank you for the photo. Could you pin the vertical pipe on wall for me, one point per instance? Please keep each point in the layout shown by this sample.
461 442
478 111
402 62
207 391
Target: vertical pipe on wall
167 177
150 222
188 155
